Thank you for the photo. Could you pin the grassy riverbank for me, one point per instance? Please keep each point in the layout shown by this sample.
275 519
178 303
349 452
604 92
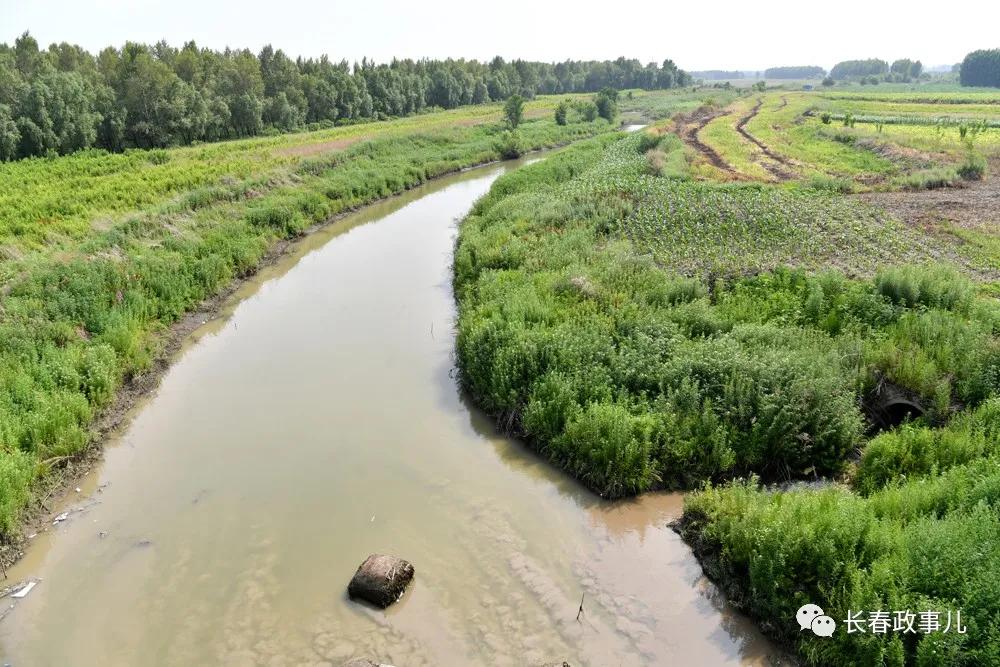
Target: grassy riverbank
100 253
643 330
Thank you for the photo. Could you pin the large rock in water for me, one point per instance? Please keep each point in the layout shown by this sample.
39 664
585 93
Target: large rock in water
381 580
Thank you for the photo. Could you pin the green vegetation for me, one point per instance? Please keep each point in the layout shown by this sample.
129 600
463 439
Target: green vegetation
561 113
981 68
928 544
606 102
928 179
875 141
905 69
73 194
650 106
513 110
859 68
101 253
605 315
795 72
973 168
645 330
62 100
717 74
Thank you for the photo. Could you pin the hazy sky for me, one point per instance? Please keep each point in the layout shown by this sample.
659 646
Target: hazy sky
719 34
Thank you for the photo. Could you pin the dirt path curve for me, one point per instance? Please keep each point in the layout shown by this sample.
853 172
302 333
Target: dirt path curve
777 171
689 125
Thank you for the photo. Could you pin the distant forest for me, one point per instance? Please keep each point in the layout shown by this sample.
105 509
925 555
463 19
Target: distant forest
717 74
981 68
903 70
797 72
64 99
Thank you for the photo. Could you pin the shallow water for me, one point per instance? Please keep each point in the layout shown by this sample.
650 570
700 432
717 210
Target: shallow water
318 420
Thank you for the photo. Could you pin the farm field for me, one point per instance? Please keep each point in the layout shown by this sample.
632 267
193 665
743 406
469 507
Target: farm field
851 141
766 297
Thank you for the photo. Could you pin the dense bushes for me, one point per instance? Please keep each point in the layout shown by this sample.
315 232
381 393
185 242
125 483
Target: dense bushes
931 543
922 530
606 102
640 332
981 68
859 68
797 72
777 551
918 451
973 167
633 377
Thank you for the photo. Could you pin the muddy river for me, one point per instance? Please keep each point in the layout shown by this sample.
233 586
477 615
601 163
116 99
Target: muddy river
318 420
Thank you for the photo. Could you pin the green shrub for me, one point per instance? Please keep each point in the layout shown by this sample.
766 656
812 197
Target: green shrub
648 141
588 110
926 286
609 448
17 471
833 184
278 216
561 308
606 102
928 179
562 112
83 305
513 110
777 551
918 451
509 146
973 168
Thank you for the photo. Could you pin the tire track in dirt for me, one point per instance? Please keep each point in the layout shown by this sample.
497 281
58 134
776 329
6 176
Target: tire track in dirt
777 171
689 125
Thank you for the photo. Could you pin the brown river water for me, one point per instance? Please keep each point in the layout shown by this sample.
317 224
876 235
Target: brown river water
315 421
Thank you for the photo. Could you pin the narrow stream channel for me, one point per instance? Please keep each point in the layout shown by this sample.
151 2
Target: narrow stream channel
318 420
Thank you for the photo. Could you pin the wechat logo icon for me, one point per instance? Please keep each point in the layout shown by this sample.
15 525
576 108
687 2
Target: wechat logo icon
811 617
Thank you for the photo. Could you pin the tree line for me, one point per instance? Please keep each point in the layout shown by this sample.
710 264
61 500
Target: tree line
718 74
64 99
981 68
795 72
873 70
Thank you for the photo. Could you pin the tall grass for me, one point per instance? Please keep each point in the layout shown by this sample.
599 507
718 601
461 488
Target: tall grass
78 317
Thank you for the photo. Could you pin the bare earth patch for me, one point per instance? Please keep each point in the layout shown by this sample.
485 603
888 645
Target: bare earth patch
976 205
936 214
